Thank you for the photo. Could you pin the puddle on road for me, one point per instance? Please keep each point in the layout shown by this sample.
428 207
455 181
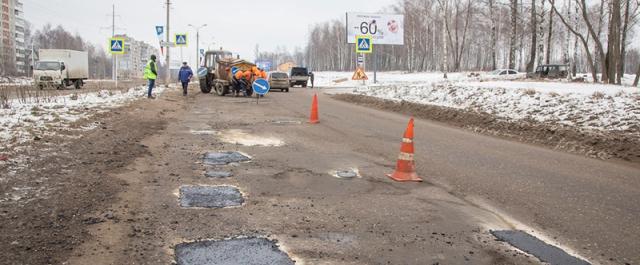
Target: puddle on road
224 158
218 174
210 196
203 132
249 251
534 246
242 138
350 173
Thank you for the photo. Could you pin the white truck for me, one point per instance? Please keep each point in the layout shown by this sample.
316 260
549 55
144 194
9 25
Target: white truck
61 68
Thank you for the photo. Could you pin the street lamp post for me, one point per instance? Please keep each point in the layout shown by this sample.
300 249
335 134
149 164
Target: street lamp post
198 41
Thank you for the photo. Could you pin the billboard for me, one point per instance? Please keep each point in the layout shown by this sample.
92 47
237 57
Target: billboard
383 28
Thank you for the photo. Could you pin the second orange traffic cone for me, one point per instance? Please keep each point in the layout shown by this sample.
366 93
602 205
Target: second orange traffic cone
405 166
314 110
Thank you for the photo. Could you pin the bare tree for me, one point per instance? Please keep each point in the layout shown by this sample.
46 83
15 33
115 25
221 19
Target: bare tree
585 44
514 29
550 36
534 37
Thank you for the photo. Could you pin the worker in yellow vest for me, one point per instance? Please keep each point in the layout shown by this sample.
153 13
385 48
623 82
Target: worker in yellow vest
151 73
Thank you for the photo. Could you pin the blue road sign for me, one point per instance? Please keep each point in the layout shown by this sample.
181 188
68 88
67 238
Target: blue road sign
364 44
260 86
159 30
181 40
202 71
116 45
234 70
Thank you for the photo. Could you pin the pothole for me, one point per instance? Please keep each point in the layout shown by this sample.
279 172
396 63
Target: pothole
224 158
538 248
346 173
217 174
249 251
242 138
210 196
286 122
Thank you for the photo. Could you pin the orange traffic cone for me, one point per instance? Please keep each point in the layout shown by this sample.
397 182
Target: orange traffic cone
314 110
405 167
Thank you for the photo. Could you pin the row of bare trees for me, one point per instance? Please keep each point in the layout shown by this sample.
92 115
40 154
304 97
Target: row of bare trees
459 35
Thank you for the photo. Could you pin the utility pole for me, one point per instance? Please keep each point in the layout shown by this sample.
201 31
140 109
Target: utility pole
168 58
114 74
197 41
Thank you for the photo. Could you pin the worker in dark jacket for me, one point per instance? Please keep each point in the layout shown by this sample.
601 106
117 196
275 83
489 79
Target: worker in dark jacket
185 75
151 73
312 77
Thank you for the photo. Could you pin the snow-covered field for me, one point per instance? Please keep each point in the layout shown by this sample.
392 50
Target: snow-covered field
583 105
23 119
15 81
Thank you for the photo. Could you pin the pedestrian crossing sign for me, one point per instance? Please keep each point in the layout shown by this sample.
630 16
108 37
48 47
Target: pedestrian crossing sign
116 45
364 44
181 40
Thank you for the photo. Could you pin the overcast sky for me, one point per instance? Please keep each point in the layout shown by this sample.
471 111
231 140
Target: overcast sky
235 25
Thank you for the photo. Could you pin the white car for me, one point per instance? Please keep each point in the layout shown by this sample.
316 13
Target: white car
504 72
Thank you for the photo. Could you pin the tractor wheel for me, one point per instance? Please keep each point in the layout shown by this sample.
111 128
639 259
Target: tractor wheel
205 87
220 90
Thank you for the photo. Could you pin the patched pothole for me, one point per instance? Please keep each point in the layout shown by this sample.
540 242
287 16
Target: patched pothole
210 196
346 173
544 252
246 251
224 158
218 174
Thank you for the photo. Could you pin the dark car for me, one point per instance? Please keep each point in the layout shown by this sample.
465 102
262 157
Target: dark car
298 76
550 71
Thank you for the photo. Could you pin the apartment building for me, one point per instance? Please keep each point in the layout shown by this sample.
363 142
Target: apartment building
131 64
12 38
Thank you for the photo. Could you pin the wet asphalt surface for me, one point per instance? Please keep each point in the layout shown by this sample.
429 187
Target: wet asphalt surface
473 184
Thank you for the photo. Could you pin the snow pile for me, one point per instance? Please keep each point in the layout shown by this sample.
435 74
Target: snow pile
586 106
24 119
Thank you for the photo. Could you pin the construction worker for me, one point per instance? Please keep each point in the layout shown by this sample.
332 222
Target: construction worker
151 73
311 77
185 75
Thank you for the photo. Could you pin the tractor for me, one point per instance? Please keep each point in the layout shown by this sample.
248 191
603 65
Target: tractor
215 74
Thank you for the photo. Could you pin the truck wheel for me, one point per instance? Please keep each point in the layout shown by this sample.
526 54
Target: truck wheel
77 84
220 91
204 87
249 92
286 90
304 84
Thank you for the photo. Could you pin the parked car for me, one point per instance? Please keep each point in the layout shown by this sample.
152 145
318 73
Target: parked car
298 76
550 71
504 72
279 80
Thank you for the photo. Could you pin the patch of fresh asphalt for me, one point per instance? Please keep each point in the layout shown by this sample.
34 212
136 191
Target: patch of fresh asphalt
534 246
245 251
210 196
224 158
217 174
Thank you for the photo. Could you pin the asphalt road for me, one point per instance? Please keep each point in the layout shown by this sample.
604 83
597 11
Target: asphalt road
474 183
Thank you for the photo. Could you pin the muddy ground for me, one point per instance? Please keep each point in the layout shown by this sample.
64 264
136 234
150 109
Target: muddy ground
52 190
615 145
